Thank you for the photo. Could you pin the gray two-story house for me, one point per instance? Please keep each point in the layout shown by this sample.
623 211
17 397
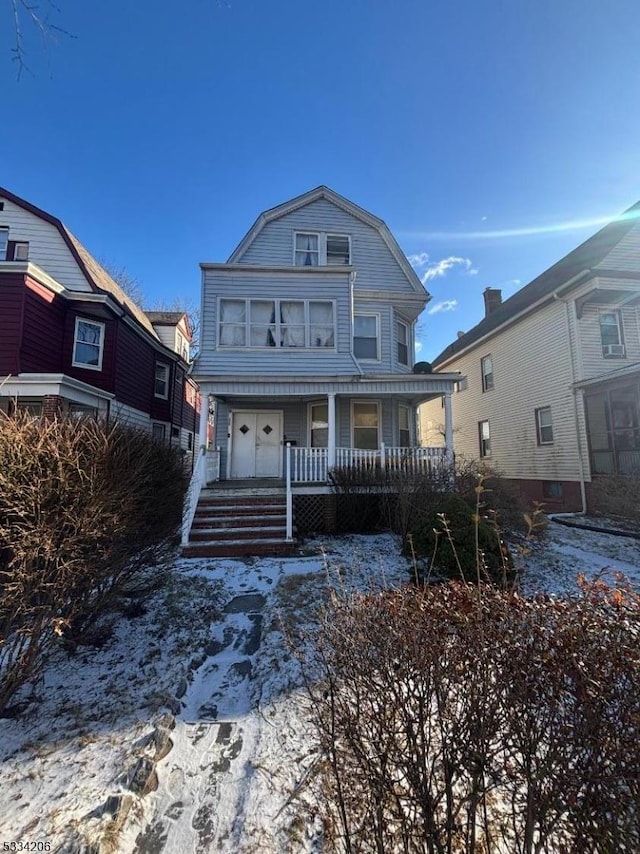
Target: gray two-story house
307 349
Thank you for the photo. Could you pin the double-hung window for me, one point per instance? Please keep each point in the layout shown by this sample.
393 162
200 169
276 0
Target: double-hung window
611 334
161 387
402 339
366 425
290 324
404 433
486 367
88 344
319 418
484 436
544 426
365 336
4 240
319 249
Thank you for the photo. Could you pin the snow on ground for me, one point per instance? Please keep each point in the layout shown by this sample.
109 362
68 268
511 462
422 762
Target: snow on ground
200 701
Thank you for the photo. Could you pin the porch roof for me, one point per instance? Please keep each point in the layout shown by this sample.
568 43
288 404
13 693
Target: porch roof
415 386
610 376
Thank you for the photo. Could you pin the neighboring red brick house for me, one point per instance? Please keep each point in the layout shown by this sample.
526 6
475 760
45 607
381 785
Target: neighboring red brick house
71 340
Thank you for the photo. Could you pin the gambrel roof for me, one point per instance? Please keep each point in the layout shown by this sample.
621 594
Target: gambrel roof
95 274
571 269
323 192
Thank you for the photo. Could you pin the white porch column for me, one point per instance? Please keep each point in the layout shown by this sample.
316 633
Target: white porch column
204 420
331 439
448 428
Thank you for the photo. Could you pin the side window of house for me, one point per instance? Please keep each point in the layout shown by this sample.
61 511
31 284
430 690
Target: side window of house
404 432
484 436
4 240
544 426
161 387
402 338
159 432
366 425
319 249
611 336
319 425
365 336
486 367
88 344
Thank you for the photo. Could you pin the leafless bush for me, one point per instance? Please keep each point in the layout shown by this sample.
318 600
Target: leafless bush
458 718
617 495
83 508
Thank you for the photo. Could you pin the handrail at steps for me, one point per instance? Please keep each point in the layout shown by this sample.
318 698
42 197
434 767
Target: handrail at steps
289 534
193 494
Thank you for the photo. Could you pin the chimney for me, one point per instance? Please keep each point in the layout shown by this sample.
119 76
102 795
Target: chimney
492 300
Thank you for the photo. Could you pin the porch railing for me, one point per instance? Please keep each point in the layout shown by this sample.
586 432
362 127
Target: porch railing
193 494
310 465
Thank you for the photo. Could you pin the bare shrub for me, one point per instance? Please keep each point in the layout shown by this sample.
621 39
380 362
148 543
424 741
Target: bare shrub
617 495
457 718
83 507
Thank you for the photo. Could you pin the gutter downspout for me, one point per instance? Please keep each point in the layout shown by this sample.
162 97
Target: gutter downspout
576 419
352 279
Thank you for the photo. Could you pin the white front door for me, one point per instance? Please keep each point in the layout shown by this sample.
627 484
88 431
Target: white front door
256 444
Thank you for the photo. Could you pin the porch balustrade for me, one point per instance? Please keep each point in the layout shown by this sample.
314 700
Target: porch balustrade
311 465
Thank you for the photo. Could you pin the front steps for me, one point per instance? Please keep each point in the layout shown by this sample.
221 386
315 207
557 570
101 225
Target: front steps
239 523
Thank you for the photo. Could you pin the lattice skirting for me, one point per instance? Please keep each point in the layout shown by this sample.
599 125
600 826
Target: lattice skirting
312 514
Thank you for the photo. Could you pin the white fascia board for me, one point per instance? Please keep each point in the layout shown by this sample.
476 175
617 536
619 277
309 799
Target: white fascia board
32 270
261 269
40 385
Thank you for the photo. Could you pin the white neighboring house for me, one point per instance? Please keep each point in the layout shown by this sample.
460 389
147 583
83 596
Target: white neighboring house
307 341
550 386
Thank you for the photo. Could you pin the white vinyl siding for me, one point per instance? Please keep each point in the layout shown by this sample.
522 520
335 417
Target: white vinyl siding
592 361
377 268
88 344
47 249
537 352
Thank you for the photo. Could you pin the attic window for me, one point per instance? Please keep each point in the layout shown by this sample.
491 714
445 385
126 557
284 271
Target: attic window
338 249
318 249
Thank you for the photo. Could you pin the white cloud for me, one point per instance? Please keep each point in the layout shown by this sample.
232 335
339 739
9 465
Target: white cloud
419 260
418 346
427 269
444 305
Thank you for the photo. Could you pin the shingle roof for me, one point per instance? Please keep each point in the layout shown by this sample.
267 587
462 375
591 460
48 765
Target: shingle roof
96 275
583 258
165 318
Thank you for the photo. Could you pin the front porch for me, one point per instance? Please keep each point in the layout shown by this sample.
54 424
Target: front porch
294 433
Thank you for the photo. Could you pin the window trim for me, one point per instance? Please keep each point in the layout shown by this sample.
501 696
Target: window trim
484 453
539 427
322 247
84 365
620 329
353 420
155 379
310 406
402 407
485 385
407 328
276 301
353 336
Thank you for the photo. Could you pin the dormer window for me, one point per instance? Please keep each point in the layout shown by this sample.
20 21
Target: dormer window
318 249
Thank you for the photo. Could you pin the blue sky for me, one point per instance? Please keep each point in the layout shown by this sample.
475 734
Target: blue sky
158 131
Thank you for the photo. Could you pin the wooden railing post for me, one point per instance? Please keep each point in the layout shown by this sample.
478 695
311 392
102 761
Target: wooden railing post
289 534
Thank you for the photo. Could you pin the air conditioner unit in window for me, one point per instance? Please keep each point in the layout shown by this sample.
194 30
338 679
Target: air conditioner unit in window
21 252
613 350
